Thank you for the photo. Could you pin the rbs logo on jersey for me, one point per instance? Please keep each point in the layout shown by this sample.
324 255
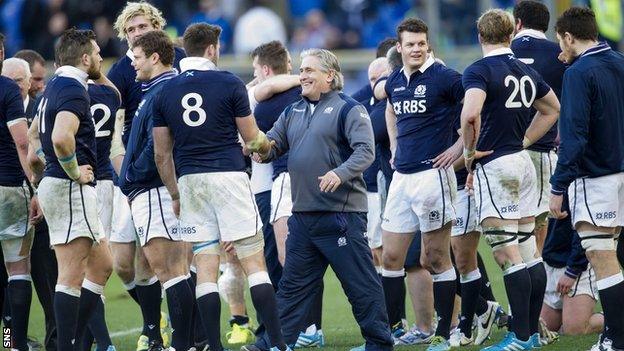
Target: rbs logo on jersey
409 106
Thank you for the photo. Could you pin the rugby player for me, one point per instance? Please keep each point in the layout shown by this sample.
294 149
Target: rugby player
19 207
213 195
419 115
136 19
500 92
590 166
67 135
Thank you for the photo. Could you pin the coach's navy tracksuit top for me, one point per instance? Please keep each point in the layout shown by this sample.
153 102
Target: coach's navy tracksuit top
138 171
591 124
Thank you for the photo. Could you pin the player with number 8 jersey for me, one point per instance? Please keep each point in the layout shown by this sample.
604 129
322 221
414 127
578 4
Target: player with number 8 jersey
197 119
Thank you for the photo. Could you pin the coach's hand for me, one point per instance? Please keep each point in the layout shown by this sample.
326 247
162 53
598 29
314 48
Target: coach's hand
556 203
86 174
36 215
329 182
565 284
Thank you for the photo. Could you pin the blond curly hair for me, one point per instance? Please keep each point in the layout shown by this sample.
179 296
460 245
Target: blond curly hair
134 9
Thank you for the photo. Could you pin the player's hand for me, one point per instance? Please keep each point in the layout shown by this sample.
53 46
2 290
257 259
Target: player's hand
563 58
329 182
176 207
86 174
446 159
228 247
480 154
392 162
468 163
36 215
470 183
565 284
556 203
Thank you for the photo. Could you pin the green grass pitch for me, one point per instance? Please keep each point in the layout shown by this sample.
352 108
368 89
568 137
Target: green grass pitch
342 333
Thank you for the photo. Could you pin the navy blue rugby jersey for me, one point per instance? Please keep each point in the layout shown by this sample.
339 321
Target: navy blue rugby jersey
268 111
123 75
423 104
11 112
65 93
104 105
531 47
511 87
200 108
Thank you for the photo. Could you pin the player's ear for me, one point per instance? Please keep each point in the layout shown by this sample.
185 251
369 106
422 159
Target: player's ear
154 57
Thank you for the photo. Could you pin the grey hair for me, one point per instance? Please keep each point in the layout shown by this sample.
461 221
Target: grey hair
13 63
394 58
329 63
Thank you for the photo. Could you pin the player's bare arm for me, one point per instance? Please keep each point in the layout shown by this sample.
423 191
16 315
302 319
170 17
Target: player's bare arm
391 124
275 85
255 140
117 148
19 133
380 90
64 142
471 123
547 114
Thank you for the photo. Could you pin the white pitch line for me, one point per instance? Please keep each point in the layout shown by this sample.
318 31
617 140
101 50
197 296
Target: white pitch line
125 332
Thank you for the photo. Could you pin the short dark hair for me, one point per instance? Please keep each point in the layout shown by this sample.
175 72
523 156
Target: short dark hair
272 54
157 41
578 21
384 46
412 25
199 36
30 56
533 14
72 44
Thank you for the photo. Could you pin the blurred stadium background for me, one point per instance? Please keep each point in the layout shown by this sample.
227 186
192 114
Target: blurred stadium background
350 27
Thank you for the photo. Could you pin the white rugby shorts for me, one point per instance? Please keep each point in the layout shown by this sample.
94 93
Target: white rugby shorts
217 206
16 233
122 228
544 163
598 201
281 200
70 209
105 192
152 212
585 285
422 201
506 188
373 226
466 212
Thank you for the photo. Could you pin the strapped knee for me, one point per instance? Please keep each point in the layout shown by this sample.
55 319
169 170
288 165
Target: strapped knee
499 237
527 244
249 246
597 241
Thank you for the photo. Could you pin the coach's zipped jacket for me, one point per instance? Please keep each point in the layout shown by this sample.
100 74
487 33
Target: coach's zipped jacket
333 134
138 172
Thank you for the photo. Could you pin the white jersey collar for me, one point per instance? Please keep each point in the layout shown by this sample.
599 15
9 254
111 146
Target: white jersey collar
533 33
197 63
499 51
73 72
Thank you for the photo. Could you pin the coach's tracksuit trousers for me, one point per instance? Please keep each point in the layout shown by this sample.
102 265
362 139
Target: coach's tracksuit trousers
319 239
